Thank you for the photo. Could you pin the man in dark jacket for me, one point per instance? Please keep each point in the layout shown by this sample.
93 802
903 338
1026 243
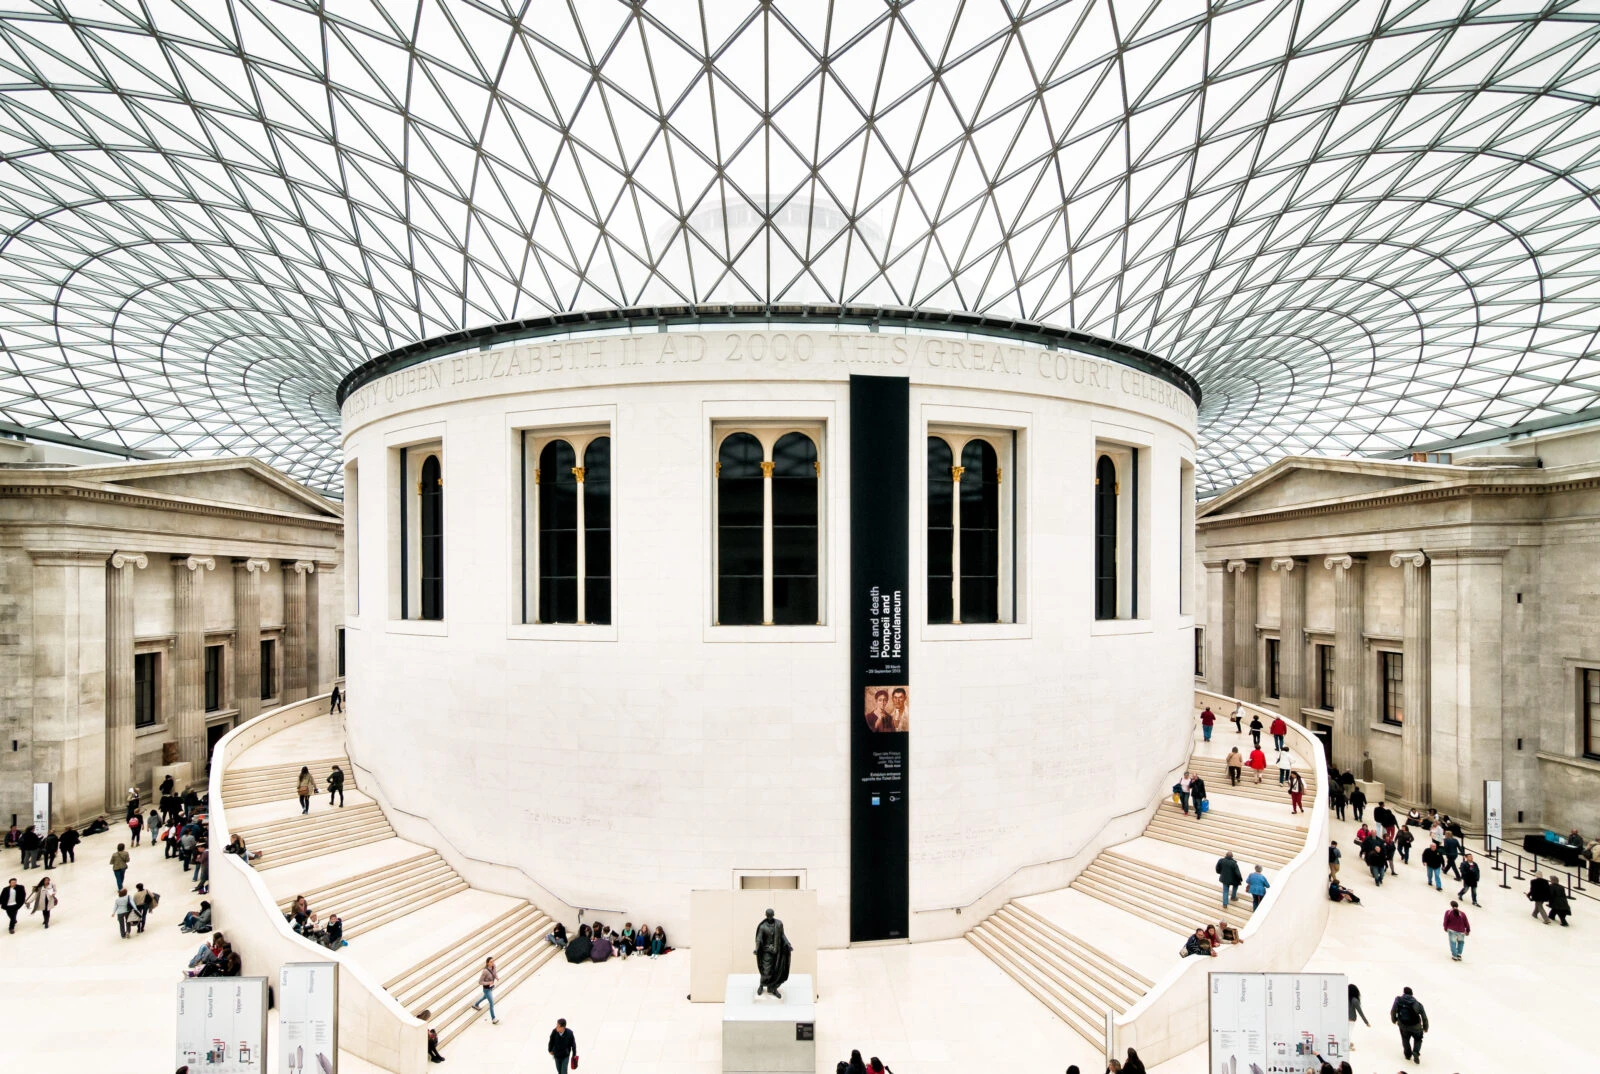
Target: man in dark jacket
1197 794
1451 849
1470 874
1373 855
52 842
1230 877
563 1045
69 845
1539 894
1358 802
30 847
12 896
1408 1014
1557 898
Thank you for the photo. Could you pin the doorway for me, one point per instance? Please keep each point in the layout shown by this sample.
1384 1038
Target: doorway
214 733
1324 735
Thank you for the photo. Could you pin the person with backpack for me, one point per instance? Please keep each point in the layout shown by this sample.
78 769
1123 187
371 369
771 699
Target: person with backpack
1408 1014
336 785
143 902
305 786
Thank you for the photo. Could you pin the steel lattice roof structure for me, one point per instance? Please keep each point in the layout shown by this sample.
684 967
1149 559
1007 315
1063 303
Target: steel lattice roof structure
1360 224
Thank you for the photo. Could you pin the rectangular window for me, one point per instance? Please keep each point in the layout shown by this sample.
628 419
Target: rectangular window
1392 665
1118 516
971 530
1272 667
1325 692
566 526
352 538
1591 713
268 672
1185 538
768 511
213 678
417 519
144 689
1199 652
340 633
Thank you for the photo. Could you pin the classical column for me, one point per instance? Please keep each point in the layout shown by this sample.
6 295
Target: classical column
1416 747
188 660
294 629
1291 635
247 636
1471 734
1219 628
119 675
64 719
1349 647
1244 629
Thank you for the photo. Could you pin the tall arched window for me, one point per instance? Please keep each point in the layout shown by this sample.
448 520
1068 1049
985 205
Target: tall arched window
970 540
941 522
597 531
980 534
794 530
431 524
740 532
558 533
1105 538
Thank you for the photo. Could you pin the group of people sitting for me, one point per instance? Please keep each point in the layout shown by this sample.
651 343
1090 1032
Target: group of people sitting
216 958
1209 939
304 921
857 1065
598 942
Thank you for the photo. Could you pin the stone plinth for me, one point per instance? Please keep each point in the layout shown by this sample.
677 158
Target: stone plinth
764 1035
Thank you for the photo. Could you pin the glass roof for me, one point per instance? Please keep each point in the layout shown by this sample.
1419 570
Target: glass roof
1361 224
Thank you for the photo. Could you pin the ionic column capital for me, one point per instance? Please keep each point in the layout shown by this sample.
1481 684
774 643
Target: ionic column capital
1344 562
124 559
303 566
1415 559
251 566
195 563
1285 563
1239 566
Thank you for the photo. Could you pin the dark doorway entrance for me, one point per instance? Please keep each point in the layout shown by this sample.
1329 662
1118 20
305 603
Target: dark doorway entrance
1325 736
214 733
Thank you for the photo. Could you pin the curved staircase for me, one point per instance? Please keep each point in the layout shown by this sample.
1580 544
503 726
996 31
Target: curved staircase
407 914
1147 895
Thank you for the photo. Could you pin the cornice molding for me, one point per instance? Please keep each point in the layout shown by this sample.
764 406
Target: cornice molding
1388 498
163 503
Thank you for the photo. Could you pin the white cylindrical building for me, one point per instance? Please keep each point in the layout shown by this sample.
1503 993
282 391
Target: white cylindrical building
599 606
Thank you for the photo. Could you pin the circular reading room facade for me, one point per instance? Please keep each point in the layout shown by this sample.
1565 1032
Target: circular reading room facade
888 605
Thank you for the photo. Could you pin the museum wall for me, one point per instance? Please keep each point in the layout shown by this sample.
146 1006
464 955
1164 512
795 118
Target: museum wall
622 766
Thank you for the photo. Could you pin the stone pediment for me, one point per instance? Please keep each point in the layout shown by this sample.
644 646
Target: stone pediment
1295 482
237 482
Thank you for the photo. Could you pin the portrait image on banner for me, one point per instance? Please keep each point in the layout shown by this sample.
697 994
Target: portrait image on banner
888 708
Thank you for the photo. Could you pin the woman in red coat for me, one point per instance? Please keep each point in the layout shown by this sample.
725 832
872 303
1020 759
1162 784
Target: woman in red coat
1257 762
1278 729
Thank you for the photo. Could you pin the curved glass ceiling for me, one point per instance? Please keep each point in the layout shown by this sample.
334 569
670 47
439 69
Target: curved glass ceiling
1360 224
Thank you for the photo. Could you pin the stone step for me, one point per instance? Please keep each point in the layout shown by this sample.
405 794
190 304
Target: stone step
1039 985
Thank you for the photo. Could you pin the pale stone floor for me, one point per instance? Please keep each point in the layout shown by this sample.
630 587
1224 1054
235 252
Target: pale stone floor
78 998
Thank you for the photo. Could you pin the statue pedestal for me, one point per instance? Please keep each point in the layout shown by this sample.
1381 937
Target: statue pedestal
764 1035
1374 792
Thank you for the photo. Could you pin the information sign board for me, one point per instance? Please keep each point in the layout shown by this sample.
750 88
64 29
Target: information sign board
222 1024
1277 1023
308 1018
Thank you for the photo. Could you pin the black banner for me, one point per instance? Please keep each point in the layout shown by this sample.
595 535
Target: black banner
880 682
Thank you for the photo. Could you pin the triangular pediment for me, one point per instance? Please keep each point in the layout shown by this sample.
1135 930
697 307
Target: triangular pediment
1295 482
238 482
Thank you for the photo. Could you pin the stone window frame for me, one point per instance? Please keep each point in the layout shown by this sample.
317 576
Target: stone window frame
1588 711
407 450
276 637
1133 453
1200 653
1005 441
1381 695
1272 666
161 651
531 443
1327 673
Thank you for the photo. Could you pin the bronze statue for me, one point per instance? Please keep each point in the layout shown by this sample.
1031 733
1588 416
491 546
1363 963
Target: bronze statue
772 955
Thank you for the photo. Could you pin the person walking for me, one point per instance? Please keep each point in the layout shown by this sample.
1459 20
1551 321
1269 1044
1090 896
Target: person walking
1358 802
1372 854
1557 900
1407 1013
1457 928
487 980
152 827
336 701
1183 784
121 909
1258 762
119 863
1256 884
1238 719
1335 855
1207 718
12 896
135 827
1336 797
69 845
563 1046
1470 874
1539 894
336 785
1402 845
1283 761
1197 792
1230 877
1355 1005
1255 730
29 844
306 787
133 804
143 902
1432 860
1235 766
43 899
1297 792
48 846
1278 729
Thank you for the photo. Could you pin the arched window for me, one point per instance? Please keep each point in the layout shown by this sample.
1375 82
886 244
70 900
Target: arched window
740 517
941 520
558 533
794 530
980 534
1105 538
431 520
597 531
